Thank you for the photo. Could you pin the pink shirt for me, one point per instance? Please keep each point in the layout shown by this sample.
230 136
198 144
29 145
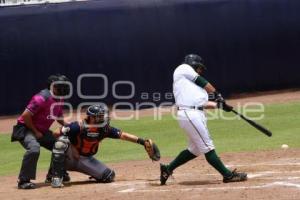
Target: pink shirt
45 110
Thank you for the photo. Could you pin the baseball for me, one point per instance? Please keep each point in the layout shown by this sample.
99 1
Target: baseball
284 146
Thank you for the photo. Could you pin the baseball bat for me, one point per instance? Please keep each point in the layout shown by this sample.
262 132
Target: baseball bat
254 124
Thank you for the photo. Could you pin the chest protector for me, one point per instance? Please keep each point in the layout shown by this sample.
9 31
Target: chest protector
89 138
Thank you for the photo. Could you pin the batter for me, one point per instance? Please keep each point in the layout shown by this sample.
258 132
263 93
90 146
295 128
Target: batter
191 97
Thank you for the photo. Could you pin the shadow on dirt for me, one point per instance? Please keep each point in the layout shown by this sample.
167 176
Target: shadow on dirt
205 182
41 185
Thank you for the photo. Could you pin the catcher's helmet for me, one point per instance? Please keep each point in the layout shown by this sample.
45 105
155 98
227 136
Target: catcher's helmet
194 60
100 112
60 83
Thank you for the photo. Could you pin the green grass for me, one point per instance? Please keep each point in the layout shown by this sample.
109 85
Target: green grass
229 136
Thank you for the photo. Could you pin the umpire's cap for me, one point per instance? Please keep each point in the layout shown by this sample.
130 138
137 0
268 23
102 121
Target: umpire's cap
194 60
62 86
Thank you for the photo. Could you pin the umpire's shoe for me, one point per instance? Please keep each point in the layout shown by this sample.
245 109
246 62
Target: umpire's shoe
26 185
235 177
57 182
164 174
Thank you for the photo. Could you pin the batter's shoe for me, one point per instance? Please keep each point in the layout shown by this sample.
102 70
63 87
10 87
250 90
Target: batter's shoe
235 177
164 174
57 182
66 178
26 185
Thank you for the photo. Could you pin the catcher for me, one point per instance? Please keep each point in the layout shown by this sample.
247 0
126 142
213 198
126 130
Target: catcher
74 150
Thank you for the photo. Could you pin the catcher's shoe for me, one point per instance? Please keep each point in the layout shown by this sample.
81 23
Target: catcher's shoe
235 177
26 185
164 174
57 182
66 178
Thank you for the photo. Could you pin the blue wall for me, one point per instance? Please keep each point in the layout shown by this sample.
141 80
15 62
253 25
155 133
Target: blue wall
248 45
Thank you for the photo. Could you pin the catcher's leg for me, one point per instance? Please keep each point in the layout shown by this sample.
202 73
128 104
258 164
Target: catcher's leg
95 169
58 161
108 176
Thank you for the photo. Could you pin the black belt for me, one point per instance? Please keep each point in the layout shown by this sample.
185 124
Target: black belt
190 107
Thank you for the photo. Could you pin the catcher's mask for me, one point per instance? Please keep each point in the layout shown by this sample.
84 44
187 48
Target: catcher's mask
99 113
60 84
194 60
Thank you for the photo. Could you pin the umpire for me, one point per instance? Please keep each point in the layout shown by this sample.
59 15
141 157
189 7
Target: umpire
32 128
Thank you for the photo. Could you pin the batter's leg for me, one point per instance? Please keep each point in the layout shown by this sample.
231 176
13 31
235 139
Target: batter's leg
167 170
200 140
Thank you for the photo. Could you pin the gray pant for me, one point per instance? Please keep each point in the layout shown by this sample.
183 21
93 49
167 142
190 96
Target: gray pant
87 165
31 156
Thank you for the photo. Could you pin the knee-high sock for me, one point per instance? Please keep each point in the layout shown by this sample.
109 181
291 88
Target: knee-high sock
215 161
182 158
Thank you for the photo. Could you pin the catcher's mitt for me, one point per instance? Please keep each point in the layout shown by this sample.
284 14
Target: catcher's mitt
152 150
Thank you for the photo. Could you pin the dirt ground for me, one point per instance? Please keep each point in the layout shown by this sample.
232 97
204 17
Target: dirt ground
272 174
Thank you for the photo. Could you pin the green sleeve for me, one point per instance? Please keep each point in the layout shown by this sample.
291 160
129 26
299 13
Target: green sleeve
201 81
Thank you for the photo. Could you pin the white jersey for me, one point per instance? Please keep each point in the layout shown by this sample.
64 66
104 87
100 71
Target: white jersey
185 90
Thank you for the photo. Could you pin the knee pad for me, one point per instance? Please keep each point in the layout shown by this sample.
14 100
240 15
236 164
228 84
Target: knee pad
59 155
108 176
61 145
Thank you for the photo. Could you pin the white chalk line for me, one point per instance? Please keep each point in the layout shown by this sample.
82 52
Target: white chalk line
130 186
128 190
139 186
287 184
128 183
266 173
250 175
274 184
263 164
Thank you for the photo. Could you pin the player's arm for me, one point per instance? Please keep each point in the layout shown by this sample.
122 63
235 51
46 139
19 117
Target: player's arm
202 82
118 134
211 105
218 101
62 122
27 116
128 137
60 118
31 109
132 138
150 147
71 129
